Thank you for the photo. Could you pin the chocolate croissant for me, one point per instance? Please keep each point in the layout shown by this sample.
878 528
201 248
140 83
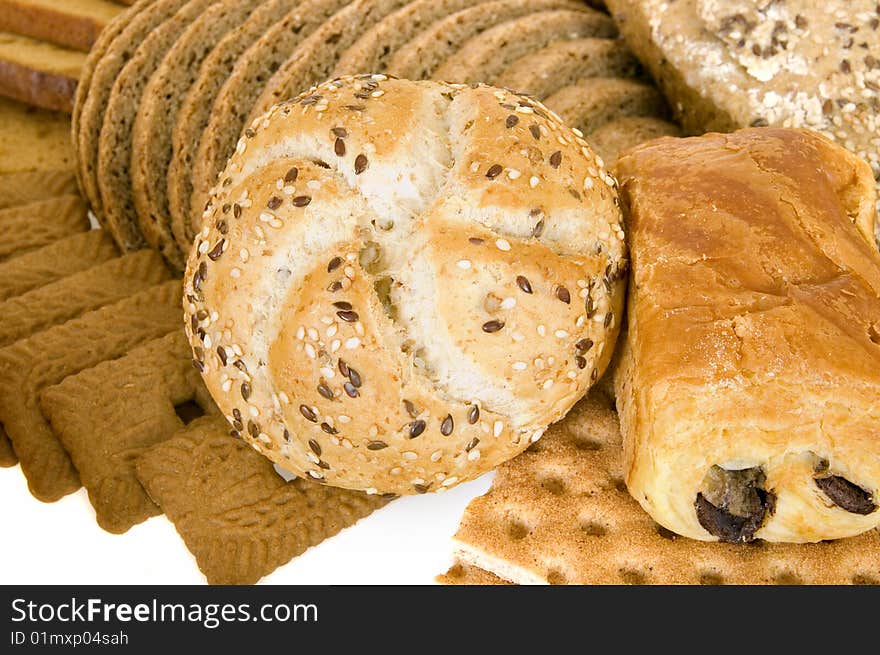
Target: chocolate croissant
749 384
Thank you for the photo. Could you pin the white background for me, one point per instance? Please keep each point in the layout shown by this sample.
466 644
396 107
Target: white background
406 542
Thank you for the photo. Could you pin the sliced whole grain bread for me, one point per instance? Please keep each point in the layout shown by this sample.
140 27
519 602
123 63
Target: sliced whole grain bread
71 24
316 57
419 58
195 111
33 139
84 154
590 103
485 56
57 260
31 226
32 186
151 134
38 73
372 51
114 145
239 92
563 63
623 133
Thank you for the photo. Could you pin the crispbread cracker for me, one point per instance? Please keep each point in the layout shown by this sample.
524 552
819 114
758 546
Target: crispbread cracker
117 211
465 574
560 513
564 62
196 106
30 365
108 415
114 48
620 134
60 259
314 59
419 58
79 293
590 103
31 186
238 517
372 51
485 56
36 224
151 148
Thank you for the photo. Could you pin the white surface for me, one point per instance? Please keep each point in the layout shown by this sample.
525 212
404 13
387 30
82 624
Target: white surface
406 542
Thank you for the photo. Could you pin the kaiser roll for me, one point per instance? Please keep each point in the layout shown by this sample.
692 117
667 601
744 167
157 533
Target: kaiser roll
399 285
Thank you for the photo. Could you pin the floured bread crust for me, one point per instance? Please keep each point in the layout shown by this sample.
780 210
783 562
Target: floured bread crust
399 285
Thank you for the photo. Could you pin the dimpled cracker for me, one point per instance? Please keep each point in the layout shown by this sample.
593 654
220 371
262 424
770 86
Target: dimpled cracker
31 186
151 134
36 224
238 517
465 574
196 106
108 415
560 513
485 56
315 58
563 63
114 48
79 293
238 93
60 259
620 134
373 50
590 103
419 58
45 359
117 211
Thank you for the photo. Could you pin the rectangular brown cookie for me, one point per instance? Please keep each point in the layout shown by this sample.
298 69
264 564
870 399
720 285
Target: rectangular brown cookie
108 415
60 259
26 227
30 365
238 517
79 293
561 513
31 186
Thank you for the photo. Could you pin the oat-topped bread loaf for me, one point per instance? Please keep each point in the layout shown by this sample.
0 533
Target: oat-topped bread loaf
728 64
398 285
749 379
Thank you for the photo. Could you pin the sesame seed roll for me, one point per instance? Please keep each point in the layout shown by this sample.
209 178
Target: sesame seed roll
399 285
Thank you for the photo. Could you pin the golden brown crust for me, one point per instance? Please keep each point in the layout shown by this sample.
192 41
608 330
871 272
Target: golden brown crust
753 338
42 88
413 206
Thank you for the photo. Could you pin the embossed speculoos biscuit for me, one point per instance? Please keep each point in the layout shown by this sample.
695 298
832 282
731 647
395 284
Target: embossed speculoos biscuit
108 415
79 293
30 365
238 517
36 224
561 513
59 259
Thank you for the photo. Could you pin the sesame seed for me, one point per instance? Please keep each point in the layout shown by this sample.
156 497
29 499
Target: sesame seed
588 183
343 418
492 326
300 333
447 426
542 331
436 455
508 303
547 384
301 201
523 283
497 427
352 343
494 171
313 334
518 337
513 174
410 455
561 334
307 412
235 273
519 366
473 455
349 272
503 244
226 386
464 264
310 351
